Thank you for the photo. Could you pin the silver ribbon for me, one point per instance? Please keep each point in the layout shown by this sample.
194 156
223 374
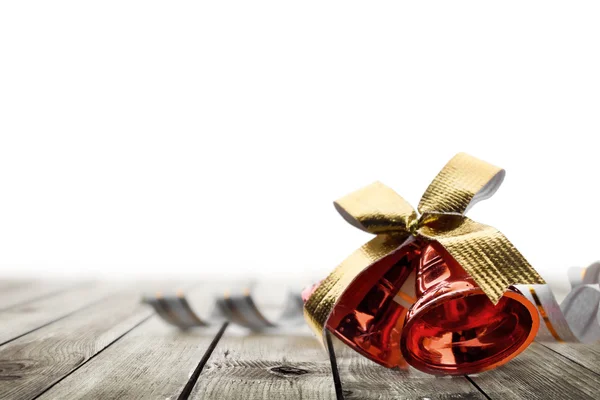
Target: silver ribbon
236 306
577 317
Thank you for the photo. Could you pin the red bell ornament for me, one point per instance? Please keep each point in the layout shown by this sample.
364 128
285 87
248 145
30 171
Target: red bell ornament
454 328
418 306
368 317
435 291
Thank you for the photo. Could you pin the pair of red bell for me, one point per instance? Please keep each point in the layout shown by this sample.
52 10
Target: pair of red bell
418 306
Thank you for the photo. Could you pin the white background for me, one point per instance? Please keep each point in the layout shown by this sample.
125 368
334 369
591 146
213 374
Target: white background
210 138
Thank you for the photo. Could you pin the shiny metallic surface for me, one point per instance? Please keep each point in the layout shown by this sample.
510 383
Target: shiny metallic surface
236 306
453 328
367 316
489 258
321 303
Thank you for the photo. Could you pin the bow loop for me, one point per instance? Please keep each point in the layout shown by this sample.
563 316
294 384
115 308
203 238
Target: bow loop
377 209
464 181
483 251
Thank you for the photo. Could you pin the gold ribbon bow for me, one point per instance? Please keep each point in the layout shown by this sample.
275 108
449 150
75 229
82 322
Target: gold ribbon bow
483 251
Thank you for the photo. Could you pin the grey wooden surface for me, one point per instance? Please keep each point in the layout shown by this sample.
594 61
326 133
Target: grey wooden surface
97 341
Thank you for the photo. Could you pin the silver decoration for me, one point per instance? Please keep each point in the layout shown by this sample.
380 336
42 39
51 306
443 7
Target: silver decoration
235 306
577 318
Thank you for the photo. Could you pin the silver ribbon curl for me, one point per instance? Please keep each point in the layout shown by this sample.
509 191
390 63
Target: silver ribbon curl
236 306
577 317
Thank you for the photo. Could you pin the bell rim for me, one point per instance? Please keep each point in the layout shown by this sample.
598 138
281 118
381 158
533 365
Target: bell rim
477 366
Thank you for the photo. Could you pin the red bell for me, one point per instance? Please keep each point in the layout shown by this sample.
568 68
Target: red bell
454 328
367 317
442 324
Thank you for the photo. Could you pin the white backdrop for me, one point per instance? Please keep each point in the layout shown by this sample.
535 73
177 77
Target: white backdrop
184 138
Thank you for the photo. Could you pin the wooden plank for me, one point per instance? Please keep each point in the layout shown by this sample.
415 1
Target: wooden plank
21 319
292 364
34 362
23 291
587 355
266 366
364 379
539 373
154 361
295 366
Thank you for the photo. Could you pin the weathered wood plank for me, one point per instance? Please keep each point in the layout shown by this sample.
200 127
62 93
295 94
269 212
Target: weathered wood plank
32 363
21 319
266 366
587 355
364 379
539 373
20 292
260 367
154 361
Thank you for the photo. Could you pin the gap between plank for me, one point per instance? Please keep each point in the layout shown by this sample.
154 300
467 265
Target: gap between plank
93 356
337 382
41 297
568 358
477 387
56 319
189 386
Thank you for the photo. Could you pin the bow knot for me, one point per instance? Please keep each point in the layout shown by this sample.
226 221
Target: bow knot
484 252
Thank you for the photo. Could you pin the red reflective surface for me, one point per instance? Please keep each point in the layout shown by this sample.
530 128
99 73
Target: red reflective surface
367 318
454 328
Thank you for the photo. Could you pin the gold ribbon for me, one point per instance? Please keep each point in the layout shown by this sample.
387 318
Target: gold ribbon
483 251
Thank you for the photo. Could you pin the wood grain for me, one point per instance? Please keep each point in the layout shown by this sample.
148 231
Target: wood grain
21 319
266 366
75 346
34 362
587 355
539 373
21 292
296 367
154 361
363 379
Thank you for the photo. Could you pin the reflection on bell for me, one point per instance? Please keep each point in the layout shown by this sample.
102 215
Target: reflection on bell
368 317
453 328
418 306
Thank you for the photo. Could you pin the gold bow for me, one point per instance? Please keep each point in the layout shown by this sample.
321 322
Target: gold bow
483 251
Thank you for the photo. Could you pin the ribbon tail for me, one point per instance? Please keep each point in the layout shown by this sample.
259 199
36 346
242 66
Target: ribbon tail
484 252
320 304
